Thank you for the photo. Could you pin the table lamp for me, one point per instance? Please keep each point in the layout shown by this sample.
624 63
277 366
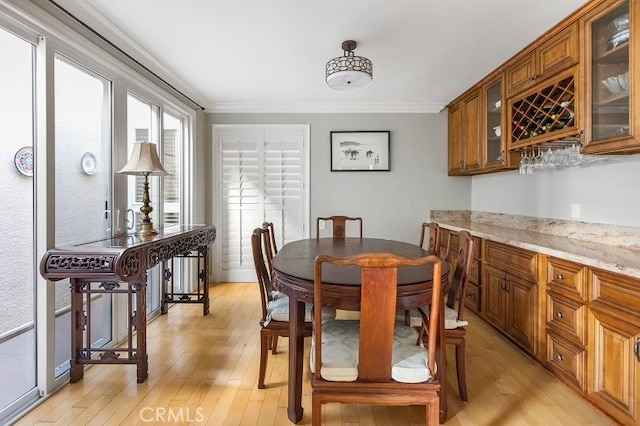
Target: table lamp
144 161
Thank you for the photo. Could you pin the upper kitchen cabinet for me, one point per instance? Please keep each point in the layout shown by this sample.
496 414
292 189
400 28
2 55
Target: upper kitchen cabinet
464 134
556 53
477 141
493 141
611 66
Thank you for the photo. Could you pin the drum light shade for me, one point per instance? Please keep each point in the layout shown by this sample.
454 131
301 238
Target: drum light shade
349 72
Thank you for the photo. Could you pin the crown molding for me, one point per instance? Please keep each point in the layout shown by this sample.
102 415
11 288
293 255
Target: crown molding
326 108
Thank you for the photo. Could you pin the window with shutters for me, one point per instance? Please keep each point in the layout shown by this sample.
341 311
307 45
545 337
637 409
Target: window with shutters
262 174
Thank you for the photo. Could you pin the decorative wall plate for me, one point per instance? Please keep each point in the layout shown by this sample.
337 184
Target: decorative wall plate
89 163
23 160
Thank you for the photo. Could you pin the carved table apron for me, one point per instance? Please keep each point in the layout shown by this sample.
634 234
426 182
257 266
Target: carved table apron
125 258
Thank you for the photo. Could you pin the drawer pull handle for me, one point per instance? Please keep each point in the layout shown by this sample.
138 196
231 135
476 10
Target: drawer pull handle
560 277
636 349
559 357
560 315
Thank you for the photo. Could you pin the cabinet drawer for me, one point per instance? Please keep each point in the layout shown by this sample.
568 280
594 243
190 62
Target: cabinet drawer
568 317
516 261
567 360
616 293
567 278
472 298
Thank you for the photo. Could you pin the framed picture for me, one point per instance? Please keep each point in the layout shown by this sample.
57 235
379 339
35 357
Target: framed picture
360 151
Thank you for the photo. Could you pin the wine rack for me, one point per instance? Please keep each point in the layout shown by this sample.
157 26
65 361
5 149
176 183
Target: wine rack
545 114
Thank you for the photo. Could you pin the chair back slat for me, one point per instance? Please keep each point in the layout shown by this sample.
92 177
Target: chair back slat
379 272
378 304
339 225
260 240
462 272
434 233
271 228
269 248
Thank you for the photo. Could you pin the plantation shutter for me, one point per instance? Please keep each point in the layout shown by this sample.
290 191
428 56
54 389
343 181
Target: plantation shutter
283 184
261 179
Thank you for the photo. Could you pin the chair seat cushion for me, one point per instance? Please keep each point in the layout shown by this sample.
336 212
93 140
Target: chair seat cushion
450 318
278 309
340 343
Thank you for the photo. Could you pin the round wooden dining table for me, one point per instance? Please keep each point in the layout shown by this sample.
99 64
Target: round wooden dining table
293 274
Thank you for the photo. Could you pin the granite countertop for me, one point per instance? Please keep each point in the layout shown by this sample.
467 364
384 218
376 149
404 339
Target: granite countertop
608 257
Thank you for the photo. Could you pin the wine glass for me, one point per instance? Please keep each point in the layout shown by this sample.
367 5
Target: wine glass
524 163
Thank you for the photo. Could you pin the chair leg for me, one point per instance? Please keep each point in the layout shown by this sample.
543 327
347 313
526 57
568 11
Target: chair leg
274 344
433 412
264 350
316 411
460 368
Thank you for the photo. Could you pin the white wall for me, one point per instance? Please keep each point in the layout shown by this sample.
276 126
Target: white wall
607 192
392 204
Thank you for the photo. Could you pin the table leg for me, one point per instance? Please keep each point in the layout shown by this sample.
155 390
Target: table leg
204 252
296 355
442 363
140 323
165 274
78 321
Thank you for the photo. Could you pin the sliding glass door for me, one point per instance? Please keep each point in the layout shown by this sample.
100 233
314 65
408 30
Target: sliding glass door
17 257
83 187
143 124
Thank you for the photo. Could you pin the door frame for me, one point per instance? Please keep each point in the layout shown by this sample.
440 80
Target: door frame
216 194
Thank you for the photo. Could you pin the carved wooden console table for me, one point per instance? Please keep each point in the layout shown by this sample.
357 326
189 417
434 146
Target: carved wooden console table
101 266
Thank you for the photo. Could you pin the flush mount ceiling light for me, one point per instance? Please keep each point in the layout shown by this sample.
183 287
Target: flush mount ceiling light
349 72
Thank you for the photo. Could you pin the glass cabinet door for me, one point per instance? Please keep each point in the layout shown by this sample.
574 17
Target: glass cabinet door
608 38
494 151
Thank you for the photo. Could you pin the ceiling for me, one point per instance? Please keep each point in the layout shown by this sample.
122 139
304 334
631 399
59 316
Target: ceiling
269 55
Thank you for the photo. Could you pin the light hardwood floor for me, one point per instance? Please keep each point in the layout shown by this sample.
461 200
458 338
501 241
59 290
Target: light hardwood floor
205 369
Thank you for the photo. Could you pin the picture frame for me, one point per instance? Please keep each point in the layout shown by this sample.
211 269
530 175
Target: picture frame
360 151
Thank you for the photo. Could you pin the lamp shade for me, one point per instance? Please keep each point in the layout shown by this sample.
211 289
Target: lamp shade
144 161
349 72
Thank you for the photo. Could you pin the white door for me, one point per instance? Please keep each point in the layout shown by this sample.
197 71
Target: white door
263 174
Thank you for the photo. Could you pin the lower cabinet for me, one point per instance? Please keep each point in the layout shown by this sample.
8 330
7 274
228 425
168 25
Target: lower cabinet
614 346
495 296
511 299
582 323
593 335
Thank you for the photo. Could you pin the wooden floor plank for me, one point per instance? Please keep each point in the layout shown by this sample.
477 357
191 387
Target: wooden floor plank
204 369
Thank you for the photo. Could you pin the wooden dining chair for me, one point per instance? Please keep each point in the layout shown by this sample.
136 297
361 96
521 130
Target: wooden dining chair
339 224
274 322
432 229
454 322
374 360
434 237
